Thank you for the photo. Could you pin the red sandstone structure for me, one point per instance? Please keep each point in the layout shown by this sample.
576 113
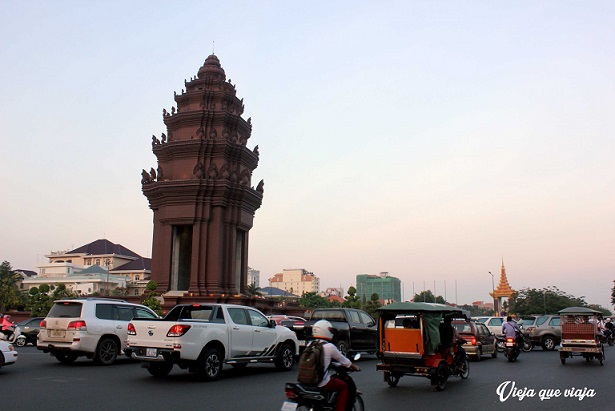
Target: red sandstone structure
201 192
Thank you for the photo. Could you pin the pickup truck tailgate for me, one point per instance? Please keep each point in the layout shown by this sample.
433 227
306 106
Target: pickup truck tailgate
151 334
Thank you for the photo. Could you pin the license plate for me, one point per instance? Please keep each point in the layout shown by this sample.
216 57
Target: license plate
510 344
151 352
301 343
289 406
58 333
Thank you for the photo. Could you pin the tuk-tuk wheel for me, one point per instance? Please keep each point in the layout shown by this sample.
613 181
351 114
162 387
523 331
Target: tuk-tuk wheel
393 379
441 377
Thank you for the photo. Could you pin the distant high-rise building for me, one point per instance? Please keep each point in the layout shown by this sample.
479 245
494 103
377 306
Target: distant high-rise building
254 277
296 281
388 288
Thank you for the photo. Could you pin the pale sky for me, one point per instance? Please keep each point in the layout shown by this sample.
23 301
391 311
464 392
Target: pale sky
426 139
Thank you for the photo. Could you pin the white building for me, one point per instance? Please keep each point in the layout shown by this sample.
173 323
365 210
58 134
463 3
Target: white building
296 281
94 267
254 277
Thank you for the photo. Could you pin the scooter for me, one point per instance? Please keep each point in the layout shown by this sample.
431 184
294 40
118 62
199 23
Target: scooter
12 336
301 397
512 348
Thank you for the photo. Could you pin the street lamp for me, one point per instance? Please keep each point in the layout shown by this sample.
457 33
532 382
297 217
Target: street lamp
493 295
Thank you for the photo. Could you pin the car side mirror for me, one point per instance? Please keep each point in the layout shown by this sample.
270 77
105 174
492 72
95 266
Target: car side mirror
272 323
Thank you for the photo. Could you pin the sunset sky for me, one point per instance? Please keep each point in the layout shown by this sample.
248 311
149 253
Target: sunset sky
430 140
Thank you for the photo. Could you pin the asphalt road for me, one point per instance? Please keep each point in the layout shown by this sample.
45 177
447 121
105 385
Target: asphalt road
39 382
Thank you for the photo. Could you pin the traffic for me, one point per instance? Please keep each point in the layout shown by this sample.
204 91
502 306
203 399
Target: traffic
413 339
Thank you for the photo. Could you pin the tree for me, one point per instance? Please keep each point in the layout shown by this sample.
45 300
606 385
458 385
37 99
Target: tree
613 294
352 300
547 300
40 300
253 290
152 299
428 297
10 295
310 301
372 305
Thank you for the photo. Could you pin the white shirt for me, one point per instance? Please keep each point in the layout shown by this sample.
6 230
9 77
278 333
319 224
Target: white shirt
332 354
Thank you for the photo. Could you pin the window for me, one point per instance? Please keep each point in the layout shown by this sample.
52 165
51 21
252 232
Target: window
104 311
88 261
541 320
143 313
238 316
65 310
98 261
137 278
367 320
555 321
496 322
354 317
258 319
125 313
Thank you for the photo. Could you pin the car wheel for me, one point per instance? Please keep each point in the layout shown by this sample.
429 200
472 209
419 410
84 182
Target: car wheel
106 352
210 365
479 354
548 343
159 370
285 359
66 358
342 346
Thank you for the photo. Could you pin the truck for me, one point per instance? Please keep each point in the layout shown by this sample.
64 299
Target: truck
354 330
203 337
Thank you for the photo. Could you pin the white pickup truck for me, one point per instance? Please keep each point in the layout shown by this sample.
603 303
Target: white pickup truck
202 337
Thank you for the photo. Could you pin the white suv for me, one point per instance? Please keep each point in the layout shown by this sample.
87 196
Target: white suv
91 327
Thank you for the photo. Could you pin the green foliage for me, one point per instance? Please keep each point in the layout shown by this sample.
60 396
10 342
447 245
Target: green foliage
10 295
372 305
613 295
253 290
40 300
476 311
152 299
310 301
547 300
151 286
428 297
352 300
119 292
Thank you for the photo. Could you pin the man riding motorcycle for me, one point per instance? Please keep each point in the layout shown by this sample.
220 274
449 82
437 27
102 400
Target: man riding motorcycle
510 329
322 330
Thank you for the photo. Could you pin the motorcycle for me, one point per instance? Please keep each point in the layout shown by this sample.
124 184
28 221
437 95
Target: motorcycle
512 348
609 336
12 336
500 343
302 397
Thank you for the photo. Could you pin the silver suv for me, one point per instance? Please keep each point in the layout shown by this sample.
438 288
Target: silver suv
90 327
546 331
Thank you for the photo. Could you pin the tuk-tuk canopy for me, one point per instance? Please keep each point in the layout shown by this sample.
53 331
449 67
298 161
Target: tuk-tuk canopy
407 307
432 314
579 311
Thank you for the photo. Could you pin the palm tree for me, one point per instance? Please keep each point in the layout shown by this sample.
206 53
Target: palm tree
252 290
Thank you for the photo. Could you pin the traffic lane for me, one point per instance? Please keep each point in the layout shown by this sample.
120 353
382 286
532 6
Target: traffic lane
84 385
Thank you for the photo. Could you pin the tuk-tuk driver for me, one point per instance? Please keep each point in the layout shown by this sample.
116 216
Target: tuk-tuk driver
449 337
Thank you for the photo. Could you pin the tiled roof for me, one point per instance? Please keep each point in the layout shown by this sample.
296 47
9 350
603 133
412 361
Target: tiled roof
94 269
140 264
104 246
27 273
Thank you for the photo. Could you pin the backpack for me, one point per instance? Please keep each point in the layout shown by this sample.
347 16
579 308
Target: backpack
312 364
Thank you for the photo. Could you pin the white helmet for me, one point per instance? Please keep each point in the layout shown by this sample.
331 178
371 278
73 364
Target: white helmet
322 329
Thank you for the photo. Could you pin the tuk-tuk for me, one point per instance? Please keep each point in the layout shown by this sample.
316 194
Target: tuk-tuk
580 334
409 343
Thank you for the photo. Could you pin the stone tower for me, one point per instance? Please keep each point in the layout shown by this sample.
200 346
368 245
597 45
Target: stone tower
201 192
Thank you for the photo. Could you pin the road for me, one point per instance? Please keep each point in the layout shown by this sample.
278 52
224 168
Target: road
39 382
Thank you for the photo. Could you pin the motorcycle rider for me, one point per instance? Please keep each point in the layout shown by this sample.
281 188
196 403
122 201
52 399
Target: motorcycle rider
510 329
6 326
449 336
322 330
